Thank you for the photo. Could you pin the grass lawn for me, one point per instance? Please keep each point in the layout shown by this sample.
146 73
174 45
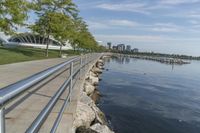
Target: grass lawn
20 54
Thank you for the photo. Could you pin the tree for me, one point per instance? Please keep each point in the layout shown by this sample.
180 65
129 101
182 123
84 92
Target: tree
13 14
49 13
82 38
62 28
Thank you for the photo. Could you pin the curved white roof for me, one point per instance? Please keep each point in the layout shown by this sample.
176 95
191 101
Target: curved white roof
3 37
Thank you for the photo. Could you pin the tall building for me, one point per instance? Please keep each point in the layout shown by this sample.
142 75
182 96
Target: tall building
128 48
109 45
135 50
121 47
114 47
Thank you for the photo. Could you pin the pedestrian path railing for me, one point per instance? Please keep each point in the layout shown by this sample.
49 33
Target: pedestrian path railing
14 91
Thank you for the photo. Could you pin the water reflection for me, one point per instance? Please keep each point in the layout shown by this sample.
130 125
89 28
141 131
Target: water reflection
163 100
121 60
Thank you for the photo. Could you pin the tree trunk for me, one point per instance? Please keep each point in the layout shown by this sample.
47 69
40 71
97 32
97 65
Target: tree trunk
60 50
74 49
47 48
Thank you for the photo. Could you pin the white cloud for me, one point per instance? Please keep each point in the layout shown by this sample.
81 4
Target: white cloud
153 39
131 7
118 24
143 7
97 25
166 27
194 22
177 2
126 23
130 38
192 14
110 24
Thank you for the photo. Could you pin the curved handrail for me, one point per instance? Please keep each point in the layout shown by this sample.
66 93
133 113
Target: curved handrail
10 92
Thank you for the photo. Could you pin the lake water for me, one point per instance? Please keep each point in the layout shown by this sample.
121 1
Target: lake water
141 96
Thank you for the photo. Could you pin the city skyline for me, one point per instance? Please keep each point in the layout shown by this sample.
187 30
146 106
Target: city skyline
168 26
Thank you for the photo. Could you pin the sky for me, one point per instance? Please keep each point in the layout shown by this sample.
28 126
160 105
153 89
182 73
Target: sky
167 26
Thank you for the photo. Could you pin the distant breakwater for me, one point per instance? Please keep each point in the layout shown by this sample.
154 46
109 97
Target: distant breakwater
165 60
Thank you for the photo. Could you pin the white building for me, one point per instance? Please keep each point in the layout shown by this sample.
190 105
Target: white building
32 40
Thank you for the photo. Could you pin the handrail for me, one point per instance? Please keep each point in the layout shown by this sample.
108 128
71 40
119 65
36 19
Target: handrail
13 91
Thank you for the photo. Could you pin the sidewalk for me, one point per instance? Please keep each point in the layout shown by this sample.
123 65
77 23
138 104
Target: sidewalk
11 73
22 115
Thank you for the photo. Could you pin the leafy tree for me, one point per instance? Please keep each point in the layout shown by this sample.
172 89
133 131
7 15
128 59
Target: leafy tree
51 15
13 13
82 38
62 28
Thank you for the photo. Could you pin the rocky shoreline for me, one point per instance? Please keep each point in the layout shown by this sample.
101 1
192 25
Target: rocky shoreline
89 118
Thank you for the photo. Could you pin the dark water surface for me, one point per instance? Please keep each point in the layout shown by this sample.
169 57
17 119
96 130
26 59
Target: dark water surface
141 96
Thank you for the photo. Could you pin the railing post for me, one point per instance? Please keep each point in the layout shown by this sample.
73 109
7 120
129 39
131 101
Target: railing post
85 62
81 61
71 80
81 65
2 120
86 59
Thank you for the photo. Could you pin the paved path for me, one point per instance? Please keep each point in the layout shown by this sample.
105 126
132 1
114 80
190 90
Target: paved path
20 116
12 73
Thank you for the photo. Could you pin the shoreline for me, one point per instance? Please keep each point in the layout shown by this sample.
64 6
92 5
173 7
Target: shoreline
89 118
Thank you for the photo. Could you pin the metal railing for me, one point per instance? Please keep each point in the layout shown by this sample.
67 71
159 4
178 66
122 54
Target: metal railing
14 91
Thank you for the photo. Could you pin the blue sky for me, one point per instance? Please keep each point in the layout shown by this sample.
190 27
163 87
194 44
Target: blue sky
170 26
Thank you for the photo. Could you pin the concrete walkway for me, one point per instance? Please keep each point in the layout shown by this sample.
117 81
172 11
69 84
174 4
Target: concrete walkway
12 73
21 115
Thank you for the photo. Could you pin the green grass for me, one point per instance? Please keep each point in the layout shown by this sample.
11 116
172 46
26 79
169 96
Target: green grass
20 54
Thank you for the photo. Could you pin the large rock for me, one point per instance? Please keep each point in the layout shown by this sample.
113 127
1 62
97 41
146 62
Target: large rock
100 117
100 65
86 99
84 115
93 72
95 96
83 129
93 80
88 88
100 61
97 70
101 128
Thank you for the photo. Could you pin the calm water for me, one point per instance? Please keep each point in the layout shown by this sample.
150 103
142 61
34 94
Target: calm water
141 96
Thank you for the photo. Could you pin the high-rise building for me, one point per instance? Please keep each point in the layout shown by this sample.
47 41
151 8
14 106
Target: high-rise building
121 47
114 47
128 48
135 50
109 45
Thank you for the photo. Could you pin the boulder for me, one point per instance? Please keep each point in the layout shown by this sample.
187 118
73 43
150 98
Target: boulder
101 128
100 67
88 88
100 117
86 99
97 70
83 129
93 73
93 80
84 115
95 96
100 61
